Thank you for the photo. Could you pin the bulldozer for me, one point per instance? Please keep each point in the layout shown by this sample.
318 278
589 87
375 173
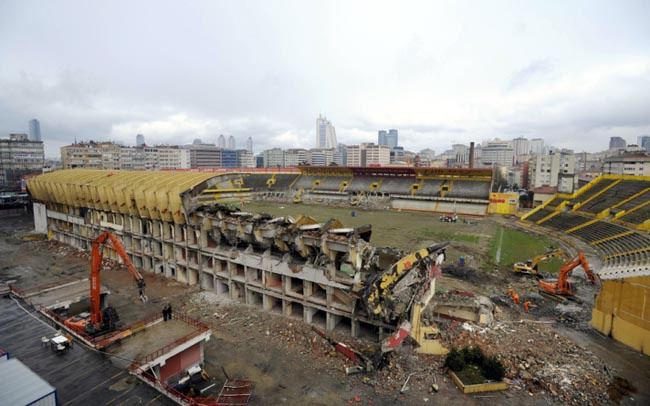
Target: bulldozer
531 267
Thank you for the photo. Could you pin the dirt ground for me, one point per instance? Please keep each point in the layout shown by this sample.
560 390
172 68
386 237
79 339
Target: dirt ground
292 366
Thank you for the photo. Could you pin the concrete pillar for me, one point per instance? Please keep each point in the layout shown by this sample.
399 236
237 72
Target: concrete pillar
355 327
331 321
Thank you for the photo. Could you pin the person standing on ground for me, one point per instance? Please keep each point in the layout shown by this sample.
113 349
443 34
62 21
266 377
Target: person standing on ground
164 312
169 311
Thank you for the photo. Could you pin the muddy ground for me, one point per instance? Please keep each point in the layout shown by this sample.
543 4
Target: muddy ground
292 366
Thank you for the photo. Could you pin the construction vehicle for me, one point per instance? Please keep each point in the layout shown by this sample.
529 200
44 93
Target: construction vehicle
531 267
97 320
401 293
561 288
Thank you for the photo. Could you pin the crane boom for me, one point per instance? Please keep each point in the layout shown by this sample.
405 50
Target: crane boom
561 285
109 239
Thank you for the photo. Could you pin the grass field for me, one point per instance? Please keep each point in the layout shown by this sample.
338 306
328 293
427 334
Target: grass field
519 246
403 230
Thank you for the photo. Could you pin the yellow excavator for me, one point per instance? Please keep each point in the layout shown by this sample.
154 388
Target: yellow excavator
531 267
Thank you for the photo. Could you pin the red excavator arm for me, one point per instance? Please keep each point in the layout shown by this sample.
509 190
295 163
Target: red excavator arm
561 286
95 266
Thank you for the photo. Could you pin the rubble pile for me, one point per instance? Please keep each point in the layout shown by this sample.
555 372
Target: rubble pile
538 360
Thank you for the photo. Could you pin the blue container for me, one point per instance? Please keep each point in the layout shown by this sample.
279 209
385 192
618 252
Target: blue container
461 261
353 213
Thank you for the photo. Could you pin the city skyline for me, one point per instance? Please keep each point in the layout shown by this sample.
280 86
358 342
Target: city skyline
544 74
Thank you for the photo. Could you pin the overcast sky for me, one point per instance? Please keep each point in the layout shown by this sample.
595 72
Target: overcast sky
571 72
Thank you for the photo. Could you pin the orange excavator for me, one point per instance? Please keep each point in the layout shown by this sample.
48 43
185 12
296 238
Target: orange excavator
97 320
561 288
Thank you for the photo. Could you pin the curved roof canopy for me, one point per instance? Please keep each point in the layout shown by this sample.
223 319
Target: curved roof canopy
146 194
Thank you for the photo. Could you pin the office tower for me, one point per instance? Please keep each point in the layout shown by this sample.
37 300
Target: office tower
249 144
231 142
222 141
617 142
34 130
325 133
139 140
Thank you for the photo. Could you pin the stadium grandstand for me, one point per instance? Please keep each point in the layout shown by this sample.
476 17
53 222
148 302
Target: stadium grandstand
612 215
440 190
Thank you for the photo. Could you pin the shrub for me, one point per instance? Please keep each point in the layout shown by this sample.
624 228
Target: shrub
490 367
493 369
455 360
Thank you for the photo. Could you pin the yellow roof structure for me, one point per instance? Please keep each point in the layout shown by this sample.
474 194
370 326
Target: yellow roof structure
147 194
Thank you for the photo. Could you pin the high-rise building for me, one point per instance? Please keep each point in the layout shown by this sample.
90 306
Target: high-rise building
249 144
388 138
296 157
392 139
617 142
497 152
139 140
368 154
555 170
221 143
204 155
273 158
229 158
644 142
245 158
381 137
343 153
34 130
628 164
537 146
19 156
521 146
231 142
325 133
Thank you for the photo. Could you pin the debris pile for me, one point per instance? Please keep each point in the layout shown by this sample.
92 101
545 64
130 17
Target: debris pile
539 360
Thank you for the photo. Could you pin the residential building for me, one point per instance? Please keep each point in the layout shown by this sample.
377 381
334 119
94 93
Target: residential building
617 142
245 158
555 170
273 158
91 155
367 154
19 156
324 156
536 146
521 146
296 157
497 152
325 133
34 130
139 140
629 164
132 158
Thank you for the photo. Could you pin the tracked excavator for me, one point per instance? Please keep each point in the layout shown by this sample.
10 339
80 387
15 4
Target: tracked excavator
561 289
531 267
97 320
401 293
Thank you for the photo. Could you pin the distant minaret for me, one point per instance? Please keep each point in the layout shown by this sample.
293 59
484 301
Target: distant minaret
249 144
231 142
222 141
34 130
139 140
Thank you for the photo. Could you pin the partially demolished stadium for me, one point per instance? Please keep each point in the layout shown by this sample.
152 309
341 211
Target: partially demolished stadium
326 274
